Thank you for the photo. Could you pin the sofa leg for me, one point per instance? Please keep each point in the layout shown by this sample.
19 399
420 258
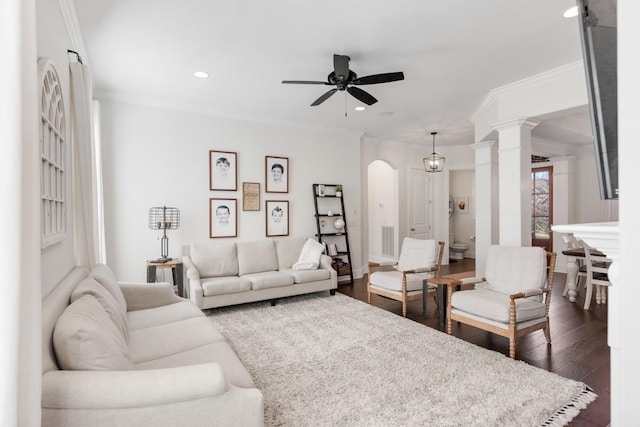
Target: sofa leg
273 302
332 291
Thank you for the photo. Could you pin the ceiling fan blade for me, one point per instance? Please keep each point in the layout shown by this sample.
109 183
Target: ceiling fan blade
379 78
361 95
324 97
305 82
341 67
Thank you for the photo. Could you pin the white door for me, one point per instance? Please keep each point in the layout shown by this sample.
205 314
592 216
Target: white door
419 184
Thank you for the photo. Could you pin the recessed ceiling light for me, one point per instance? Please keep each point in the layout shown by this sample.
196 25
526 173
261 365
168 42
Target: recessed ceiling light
386 113
201 74
571 12
359 108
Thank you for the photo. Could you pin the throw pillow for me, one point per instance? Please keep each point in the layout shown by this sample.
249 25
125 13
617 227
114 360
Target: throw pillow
310 256
85 339
103 275
90 286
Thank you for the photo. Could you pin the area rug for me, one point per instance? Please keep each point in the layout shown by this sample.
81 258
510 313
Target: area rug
323 360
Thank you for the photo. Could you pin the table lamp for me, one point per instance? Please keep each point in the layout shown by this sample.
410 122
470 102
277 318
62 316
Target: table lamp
164 218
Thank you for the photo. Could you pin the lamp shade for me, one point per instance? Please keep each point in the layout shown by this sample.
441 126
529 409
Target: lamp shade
164 218
434 162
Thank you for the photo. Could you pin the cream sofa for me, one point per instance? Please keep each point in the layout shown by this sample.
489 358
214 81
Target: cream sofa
225 273
124 354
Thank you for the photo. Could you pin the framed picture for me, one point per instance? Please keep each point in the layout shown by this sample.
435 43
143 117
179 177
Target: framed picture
277 217
223 217
250 196
461 204
223 170
276 174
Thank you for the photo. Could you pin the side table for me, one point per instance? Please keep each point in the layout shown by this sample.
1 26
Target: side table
442 283
176 270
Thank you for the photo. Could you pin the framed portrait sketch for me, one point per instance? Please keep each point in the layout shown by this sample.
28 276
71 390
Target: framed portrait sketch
276 174
223 217
250 196
223 170
277 217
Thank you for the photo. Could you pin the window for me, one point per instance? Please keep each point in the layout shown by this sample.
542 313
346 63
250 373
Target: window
542 206
53 154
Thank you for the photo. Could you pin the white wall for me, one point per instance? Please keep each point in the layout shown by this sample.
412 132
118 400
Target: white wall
155 157
589 207
53 42
382 207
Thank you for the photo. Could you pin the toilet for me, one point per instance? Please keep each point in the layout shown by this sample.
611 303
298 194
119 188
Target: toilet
456 250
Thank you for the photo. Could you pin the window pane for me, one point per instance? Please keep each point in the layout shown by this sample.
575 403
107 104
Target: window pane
541 228
541 205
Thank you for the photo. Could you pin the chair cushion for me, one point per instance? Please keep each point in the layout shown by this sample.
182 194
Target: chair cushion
288 251
86 339
103 275
306 276
269 279
214 259
418 254
494 306
90 286
511 269
256 257
309 256
224 285
392 280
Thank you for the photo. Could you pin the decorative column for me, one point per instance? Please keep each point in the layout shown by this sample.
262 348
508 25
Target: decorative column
563 201
514 149
485 202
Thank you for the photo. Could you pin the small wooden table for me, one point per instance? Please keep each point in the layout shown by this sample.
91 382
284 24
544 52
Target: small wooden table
442 284
176 267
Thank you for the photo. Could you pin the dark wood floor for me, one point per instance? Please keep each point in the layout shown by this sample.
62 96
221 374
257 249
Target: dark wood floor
578 351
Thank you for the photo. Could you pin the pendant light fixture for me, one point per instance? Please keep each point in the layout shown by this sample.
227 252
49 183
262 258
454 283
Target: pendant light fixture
435 162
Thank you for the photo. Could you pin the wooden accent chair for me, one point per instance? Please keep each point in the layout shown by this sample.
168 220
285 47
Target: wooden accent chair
513 299
402 281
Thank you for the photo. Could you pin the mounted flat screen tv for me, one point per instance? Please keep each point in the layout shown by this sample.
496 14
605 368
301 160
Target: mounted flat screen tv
598 30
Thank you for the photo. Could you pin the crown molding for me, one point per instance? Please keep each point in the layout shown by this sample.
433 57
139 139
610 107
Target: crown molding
529 82
519 122
70 17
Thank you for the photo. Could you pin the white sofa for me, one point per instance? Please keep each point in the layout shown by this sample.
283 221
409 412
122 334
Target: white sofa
222 273
124 354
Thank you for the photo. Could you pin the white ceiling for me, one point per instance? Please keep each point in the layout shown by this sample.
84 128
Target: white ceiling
452 53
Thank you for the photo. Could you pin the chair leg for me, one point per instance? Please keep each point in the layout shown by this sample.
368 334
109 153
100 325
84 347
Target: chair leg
404 308
603 294
547 332
588 294
512 348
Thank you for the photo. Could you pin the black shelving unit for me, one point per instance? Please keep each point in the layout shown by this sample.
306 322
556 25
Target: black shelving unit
329 207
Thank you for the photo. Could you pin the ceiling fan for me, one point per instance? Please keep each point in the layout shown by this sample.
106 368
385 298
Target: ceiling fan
345 79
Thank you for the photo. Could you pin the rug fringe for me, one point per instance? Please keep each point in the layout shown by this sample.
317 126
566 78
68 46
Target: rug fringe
568 412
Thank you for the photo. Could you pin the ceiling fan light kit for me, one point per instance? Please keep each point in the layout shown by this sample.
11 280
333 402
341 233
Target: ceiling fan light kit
434 162
345 79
